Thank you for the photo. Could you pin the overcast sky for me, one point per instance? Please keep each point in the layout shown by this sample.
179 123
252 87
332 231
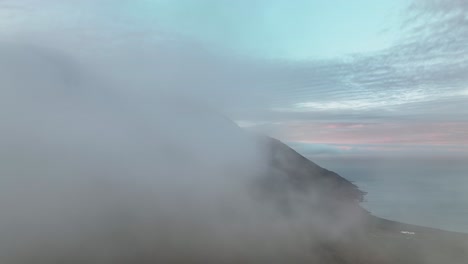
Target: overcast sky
332 77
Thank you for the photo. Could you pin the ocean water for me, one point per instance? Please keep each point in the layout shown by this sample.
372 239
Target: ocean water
428 192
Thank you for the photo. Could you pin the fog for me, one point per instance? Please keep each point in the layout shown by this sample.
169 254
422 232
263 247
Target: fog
96 170
117 147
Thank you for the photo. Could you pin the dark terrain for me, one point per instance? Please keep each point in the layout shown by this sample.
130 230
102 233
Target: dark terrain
376 240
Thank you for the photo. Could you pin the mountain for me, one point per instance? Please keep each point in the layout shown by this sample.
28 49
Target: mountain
377 240
303 173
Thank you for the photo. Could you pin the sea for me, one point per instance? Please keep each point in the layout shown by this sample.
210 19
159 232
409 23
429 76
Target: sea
431 192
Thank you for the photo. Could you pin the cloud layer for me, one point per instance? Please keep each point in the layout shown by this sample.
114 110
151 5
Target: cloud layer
419 81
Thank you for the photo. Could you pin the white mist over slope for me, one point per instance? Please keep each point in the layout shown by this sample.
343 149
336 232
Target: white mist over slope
114 148
101 174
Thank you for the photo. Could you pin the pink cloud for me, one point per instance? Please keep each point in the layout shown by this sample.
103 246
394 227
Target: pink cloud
402 133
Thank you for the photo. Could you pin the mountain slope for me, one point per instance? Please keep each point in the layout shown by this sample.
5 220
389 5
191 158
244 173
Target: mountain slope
376 240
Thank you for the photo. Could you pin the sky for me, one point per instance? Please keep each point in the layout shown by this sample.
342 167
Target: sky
331 78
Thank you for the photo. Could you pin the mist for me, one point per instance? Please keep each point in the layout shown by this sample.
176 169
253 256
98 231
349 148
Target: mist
96 170
117 145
